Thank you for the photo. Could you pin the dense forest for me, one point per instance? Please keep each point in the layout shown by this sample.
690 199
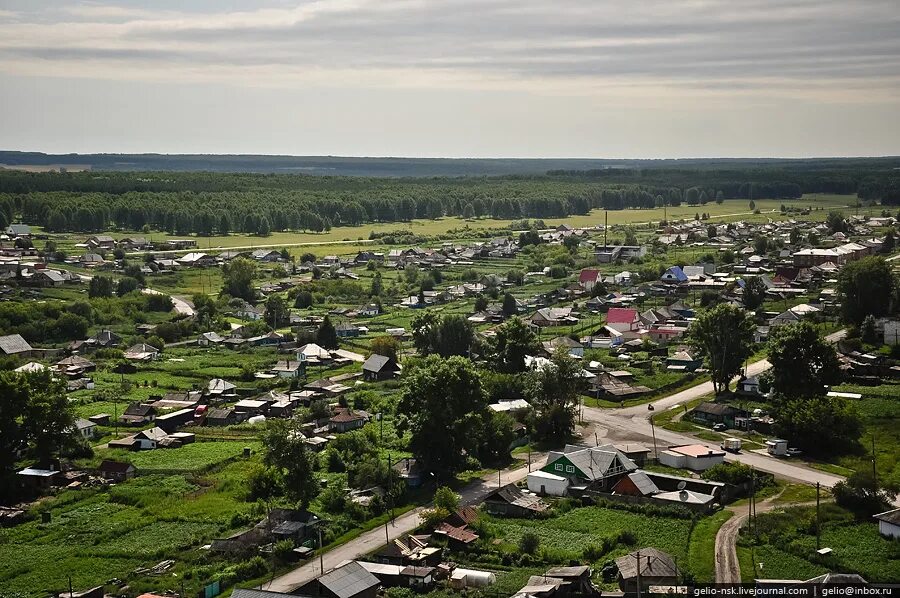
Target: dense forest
207 203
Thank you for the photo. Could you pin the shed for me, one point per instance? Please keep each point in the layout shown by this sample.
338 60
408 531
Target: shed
889 524
510 500
547 484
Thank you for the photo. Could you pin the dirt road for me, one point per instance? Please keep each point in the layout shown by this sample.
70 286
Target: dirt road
728 568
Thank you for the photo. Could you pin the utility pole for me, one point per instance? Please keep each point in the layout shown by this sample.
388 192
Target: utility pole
818 539
653 431
874 472
605 227
321 553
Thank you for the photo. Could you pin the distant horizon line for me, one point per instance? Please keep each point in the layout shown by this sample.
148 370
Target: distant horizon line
439 157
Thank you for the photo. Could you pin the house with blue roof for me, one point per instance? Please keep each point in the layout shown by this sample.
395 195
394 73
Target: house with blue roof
674 275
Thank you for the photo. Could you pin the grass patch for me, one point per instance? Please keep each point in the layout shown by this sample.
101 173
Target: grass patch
702 552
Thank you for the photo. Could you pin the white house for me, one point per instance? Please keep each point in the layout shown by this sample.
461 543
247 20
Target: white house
547 484
86 429
695 457
889 524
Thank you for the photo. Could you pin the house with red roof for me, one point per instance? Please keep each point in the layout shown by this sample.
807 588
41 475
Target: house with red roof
623 319
588 278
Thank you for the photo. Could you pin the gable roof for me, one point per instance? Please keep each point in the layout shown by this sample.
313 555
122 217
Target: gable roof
115 466
14 343
348 581
653 563
889 516
621 315
376 363
595 463
588 275
675 272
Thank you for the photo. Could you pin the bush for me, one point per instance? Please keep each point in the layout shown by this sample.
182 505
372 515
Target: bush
529 542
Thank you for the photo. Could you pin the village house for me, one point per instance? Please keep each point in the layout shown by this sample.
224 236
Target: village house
554 316
623 319
584 468
648 567
288 368
717 413
116 470
513 502
345 420
348 581
104 242
103 339
137 414
142 352
695 457
573 348
380 367
86 429
588 279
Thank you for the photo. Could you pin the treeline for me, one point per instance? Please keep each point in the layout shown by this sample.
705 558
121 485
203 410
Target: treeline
223 203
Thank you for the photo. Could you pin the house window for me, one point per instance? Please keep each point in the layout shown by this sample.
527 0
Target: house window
558 467
570 469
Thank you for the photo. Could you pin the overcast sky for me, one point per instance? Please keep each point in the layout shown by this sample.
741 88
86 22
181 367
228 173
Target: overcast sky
560 78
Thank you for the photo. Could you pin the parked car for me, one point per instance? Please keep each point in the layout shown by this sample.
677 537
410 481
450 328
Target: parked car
720 427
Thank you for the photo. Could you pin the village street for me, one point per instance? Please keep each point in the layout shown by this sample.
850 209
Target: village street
370 541
630 424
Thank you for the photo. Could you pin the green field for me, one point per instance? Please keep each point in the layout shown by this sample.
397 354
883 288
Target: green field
570 534
787 547
346 240
96 536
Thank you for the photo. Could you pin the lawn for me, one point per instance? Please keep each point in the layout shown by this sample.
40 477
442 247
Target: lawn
190 458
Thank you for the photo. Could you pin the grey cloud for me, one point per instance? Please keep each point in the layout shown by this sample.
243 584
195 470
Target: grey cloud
650 39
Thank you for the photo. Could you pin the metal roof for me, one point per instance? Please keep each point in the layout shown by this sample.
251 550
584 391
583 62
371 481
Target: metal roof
14 343
348 581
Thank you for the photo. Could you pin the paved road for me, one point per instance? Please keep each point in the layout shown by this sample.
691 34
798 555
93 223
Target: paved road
632 424
182 306
374 539
629 424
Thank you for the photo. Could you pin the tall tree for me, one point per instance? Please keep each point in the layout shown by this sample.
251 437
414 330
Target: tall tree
865 287
277 313
724 335
802 361
238 279
510 308
444 408
292 462
14 396
818 425
386 345
754 293
49 417
515 340
446 335
326 335
554 391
